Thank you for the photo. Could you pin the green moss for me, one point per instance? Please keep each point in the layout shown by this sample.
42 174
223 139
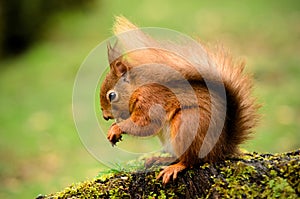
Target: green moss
281 180
252 175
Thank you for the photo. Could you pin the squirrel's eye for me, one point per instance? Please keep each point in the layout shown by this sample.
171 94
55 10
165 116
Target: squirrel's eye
112 96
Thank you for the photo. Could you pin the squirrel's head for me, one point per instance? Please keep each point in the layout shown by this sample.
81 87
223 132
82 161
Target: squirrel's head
114 93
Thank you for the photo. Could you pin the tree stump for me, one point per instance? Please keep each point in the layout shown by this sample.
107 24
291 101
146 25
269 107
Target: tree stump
251 175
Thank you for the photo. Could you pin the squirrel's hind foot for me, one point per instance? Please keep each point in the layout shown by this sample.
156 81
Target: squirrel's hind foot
171 171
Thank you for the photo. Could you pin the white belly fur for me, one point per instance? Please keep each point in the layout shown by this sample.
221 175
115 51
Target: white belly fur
165 138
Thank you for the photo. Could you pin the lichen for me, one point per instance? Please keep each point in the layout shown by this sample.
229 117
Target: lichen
252 175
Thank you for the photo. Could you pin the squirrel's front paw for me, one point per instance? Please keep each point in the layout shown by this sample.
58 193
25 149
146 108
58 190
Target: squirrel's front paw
114 134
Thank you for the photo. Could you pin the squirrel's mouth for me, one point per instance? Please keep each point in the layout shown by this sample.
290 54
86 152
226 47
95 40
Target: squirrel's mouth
122 116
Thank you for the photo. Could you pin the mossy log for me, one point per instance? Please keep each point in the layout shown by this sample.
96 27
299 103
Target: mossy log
252 175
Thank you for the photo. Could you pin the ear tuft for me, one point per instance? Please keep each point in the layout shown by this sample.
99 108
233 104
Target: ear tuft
113 52
122 25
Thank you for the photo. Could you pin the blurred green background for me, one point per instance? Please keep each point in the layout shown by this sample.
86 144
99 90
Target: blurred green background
40 151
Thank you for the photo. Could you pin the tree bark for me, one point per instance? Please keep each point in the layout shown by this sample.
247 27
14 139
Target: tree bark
252 175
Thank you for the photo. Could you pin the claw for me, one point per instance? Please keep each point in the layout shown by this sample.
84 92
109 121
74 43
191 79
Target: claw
170 171
114 134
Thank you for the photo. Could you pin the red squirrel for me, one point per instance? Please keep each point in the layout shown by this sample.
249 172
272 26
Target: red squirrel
154 91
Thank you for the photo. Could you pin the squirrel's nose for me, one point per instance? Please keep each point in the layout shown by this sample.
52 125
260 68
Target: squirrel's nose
107 115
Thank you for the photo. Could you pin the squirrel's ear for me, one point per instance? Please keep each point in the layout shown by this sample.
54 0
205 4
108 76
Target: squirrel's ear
114 58
118 67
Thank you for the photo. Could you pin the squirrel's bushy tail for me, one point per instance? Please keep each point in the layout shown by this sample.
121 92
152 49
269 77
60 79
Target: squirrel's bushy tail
242 108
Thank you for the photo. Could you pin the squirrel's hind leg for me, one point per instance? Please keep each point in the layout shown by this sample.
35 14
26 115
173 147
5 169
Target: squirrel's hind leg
159 161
